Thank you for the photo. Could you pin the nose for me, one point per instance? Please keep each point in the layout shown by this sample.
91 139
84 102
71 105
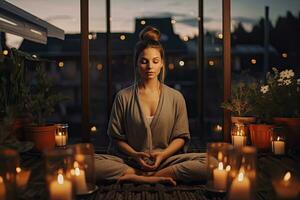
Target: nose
150 65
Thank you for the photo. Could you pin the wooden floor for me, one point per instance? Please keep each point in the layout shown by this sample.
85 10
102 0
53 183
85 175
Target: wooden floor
268 166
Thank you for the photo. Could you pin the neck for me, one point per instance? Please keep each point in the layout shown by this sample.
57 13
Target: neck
152 84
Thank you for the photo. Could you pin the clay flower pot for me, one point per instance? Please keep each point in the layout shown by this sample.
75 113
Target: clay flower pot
260 135
243 120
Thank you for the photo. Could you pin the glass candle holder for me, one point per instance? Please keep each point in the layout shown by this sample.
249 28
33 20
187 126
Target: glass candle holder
286 186
278 140
8 163
61 135
221 162
83 172
59 163
238 135
244 182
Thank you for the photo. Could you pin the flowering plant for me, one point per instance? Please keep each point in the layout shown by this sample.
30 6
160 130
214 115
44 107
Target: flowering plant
280 95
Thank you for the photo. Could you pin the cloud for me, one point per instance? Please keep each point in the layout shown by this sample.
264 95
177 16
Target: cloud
164 14
194 22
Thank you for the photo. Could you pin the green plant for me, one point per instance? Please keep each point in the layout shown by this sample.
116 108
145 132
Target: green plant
241 100
44 98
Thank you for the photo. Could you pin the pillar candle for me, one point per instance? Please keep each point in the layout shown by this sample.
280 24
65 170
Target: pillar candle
240 188
239 141
60 189
60 139
78 176
220 177
2 189
285 188
22 177
278 147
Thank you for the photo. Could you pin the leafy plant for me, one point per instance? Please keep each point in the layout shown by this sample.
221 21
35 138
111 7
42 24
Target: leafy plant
44 98
241 100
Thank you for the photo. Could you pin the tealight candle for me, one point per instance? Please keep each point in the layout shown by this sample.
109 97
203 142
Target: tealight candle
2 189
240 188
285 188
220 177
278 146
60 189
22 177
78 176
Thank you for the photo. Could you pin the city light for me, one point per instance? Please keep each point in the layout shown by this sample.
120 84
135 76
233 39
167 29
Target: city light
122 37
211 63
143 22
90 36
5 52
34 56
99 66
61 64
220 35
93 129
284 55
181 63
253 61
185 38
173 21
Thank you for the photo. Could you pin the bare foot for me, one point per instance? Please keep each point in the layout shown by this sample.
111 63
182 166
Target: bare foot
146 179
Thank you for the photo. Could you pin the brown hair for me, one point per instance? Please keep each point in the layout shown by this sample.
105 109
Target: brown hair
149 38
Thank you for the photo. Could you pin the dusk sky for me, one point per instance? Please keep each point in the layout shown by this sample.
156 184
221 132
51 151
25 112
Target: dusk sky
66 13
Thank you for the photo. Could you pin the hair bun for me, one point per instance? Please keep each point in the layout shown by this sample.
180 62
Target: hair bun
150 33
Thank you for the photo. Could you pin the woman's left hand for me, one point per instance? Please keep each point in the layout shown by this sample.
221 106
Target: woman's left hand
158 158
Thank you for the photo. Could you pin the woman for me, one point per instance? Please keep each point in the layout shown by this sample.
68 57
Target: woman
148 126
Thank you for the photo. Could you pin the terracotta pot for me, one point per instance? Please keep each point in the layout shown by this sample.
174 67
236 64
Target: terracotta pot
292 130
260 135
43 137
244 120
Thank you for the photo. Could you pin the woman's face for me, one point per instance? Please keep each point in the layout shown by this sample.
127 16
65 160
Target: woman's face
149 63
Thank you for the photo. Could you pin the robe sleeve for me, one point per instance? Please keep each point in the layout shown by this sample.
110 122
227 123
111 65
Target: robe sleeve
181 125
116 128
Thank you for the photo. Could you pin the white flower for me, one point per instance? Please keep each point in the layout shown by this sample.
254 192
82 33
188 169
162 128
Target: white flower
283 74
287 74
287 82
298 81
264 89
274 69
291 73
280 80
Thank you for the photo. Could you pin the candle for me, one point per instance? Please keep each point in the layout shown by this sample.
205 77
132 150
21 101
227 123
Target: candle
60 189
2 189
79 179
93 130
240 188
22 177
238 141
285 188
60 139
220 177
278 147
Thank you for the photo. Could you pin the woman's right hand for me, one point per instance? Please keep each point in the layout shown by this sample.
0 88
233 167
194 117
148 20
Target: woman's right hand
139 157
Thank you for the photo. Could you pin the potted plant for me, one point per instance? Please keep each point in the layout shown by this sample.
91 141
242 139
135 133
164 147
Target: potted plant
240 103
42 105
284 90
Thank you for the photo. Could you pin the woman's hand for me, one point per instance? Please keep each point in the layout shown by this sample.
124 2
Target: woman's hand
158 158
139 157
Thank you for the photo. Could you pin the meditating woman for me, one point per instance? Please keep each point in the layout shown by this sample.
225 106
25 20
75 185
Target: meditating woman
148 126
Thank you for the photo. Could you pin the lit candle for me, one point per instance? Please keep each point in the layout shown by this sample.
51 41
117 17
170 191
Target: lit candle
93 130
285 188
60 139
240 188
278 147
60 189
79 179
220 177
2 189
22 177
239 139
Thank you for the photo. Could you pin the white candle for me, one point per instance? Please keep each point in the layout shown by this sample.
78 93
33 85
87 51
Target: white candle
60 139
240 188
22 177
285 188
60 189
220 177
79 179
278 147
238 141
2 189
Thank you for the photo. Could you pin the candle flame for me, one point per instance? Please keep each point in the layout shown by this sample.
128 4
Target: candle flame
1 179
228 168
77 171
287 176
240 177
59 133
93 129
220 166
278 138
60 179
18 170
